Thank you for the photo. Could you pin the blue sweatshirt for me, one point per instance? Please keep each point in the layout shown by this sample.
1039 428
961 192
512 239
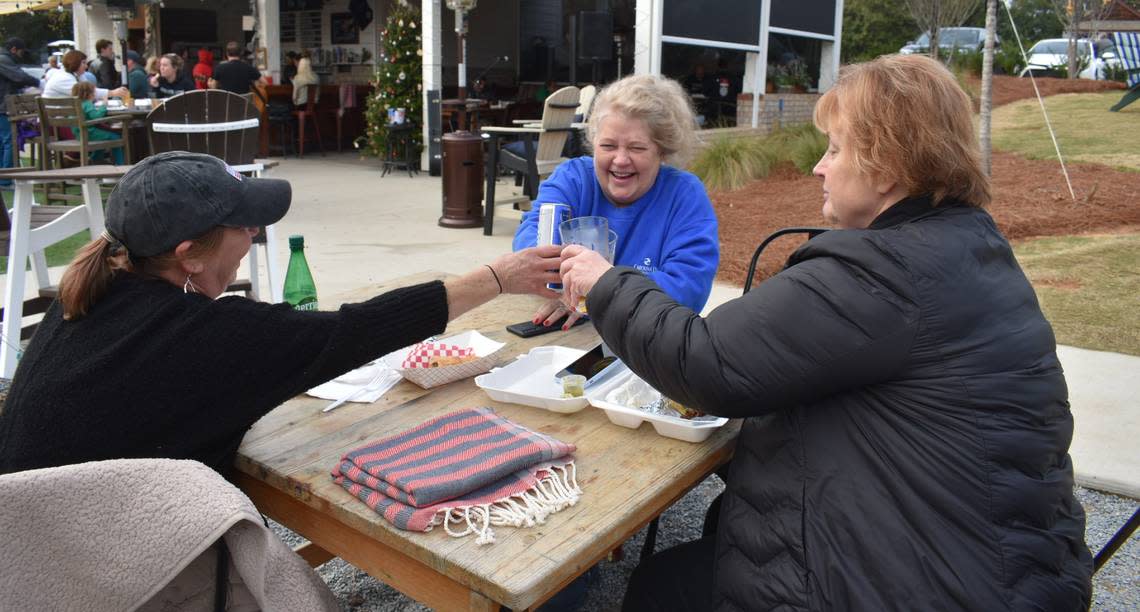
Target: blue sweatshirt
670 234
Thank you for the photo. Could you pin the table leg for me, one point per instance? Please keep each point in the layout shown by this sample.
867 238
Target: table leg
14 292
406 574
492 175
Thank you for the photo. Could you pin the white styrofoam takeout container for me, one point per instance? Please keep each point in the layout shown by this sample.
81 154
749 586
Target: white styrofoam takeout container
530 380
631 417
485 350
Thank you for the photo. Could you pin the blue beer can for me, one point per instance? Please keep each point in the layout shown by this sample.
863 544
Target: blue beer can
550 217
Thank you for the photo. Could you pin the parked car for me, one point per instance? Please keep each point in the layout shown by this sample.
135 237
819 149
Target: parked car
955 40
1050 57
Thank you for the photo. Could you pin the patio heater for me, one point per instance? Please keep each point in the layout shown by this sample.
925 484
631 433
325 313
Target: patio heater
462 151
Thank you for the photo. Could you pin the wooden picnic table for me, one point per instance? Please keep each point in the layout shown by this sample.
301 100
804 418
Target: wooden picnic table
627 477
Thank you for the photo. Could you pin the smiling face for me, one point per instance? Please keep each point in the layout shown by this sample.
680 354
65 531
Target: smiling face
851 200
626 160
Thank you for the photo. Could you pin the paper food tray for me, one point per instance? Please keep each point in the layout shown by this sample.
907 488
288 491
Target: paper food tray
530 380
670 427
427 378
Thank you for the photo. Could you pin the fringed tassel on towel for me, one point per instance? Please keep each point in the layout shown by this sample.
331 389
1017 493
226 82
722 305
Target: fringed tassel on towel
553 492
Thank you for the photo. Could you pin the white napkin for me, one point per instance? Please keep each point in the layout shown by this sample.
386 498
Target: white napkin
365 384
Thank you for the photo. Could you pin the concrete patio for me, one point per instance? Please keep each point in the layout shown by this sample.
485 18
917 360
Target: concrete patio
361 228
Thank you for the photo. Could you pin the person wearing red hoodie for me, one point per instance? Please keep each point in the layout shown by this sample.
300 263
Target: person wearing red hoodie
204 69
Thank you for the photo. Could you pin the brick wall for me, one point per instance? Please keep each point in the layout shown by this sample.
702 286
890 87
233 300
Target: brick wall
776 109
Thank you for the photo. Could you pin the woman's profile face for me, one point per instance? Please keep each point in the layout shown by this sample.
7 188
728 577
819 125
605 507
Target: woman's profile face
166 69
222 265
850 200
626 160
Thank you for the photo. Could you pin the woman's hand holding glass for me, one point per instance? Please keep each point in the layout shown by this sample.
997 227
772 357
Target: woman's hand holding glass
581 268
528 270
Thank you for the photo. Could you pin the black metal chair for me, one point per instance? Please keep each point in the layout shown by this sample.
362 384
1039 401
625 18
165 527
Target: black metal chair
811 232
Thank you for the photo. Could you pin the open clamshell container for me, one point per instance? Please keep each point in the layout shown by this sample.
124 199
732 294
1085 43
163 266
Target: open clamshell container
530 380
601 392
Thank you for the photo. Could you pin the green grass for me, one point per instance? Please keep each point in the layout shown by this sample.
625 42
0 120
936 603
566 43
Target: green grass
728 163
1088 288
1086 130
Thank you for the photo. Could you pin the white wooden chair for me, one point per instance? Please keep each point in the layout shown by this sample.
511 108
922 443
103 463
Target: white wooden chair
542 146
225 125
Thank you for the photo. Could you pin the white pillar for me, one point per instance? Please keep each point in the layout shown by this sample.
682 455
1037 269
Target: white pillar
269 26
829 58
647 37
431 29
79 24
761 73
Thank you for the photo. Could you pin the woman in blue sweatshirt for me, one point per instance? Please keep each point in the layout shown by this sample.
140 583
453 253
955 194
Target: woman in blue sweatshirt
641 126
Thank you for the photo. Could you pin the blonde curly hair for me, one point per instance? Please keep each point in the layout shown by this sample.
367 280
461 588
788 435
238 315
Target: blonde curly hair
658 101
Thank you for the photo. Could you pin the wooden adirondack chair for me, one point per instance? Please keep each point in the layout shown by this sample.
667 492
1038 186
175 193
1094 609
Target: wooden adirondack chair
543 145
225 125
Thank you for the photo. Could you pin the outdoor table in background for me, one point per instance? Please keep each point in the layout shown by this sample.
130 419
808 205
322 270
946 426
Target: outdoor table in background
627 477
23 241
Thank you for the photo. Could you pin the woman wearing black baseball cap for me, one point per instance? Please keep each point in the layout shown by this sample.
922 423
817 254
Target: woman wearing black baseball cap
140 358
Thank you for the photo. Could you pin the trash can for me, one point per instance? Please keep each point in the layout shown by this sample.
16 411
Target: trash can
462 180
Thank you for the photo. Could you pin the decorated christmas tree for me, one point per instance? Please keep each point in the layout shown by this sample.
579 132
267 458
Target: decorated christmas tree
398 79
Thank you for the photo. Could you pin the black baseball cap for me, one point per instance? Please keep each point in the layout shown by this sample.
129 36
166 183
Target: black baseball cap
176 196
15 43
134 56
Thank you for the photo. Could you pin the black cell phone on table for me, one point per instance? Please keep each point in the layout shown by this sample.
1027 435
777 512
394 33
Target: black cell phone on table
529 329
591 364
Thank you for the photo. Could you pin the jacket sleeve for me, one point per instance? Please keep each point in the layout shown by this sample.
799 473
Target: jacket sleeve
9 70
564 186
692 250
816 329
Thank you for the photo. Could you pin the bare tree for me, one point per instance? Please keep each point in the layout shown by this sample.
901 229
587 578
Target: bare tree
930 15
987 86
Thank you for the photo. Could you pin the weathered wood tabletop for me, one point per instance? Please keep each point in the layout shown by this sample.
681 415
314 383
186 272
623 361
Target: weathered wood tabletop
627 477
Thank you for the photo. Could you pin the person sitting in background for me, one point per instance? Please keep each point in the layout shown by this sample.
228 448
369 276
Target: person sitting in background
234 74
102 66
170 80
137 80
60 82
204 69
86 91
301 81
665 223
53 65
290 69
906 420
140 357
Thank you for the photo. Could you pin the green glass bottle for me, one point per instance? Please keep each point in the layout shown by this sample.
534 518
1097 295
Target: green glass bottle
300 291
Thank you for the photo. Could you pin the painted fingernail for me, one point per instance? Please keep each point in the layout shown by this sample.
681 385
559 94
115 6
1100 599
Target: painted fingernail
565 327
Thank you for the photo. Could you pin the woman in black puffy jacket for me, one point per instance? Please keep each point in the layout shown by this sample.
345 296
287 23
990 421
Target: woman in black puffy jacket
906 433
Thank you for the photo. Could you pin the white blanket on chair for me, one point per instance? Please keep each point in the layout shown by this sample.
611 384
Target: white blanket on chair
110 535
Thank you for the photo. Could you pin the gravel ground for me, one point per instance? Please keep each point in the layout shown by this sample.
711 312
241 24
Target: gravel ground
1115 588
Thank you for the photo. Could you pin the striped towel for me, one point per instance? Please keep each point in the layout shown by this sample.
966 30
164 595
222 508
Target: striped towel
467 470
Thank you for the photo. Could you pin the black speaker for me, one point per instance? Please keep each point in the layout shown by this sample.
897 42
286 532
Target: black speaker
595 35
128 5
435 133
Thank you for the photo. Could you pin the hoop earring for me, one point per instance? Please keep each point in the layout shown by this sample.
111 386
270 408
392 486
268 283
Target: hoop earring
188 286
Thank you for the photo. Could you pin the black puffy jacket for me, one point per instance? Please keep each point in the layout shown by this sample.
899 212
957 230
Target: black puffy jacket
907 433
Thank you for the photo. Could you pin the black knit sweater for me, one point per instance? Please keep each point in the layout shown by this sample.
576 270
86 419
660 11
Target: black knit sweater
154 372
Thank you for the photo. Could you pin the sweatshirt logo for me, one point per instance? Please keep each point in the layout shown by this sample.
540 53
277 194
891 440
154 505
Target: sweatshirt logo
646 266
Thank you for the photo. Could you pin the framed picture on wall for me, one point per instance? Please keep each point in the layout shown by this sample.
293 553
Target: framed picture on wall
343 30
262 58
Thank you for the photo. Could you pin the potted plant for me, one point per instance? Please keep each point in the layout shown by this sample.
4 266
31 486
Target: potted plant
779 75
798 77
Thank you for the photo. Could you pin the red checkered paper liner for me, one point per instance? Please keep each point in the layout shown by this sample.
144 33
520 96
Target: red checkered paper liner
421 354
